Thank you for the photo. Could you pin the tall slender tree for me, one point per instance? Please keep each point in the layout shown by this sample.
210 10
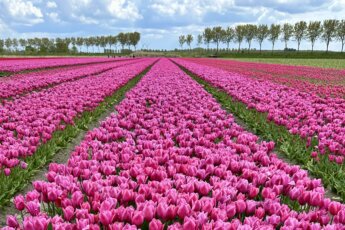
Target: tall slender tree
249 35
189 40
207 35
217 35
114 42
103 42
239 35
228 36
80 42
274 33
134 39
299 32
287 33
261 34
182 40
122 38
199 40
8 43
2 43
329 31
15 44
314 31
341 33
87 43
22 43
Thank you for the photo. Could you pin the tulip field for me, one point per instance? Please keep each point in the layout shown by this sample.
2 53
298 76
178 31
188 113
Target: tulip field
191 144
19 64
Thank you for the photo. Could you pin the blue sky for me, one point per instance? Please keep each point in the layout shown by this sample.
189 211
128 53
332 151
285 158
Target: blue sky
159 21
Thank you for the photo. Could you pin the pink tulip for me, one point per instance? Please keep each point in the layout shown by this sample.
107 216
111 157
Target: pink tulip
183 210
77 198
68 213
19 202
149 212
12 221
138 218
334 208
189 224
7 171
106 217
33 207
156 225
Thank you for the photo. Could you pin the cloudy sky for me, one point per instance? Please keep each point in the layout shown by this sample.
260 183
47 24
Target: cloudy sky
159 21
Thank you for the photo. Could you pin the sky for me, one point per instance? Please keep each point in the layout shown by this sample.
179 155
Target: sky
159 21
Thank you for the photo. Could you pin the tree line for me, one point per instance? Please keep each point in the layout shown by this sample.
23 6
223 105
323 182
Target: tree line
62 45
327 31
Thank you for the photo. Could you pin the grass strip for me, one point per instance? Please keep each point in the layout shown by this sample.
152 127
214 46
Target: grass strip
19 178
292 147
4 74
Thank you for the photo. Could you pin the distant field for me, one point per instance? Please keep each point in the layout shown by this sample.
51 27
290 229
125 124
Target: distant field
323 63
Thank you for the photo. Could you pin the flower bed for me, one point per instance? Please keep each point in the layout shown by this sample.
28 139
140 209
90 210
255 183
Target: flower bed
173 157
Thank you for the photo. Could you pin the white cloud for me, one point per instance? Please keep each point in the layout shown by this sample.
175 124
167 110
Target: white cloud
23 11
194 7
54 16
5 31
124 10
85 20
51 4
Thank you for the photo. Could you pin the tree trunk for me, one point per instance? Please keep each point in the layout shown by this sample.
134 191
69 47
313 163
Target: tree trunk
227 46
342 45
272 46
312 47
285 44
217 47
239 46
327 46
260 46
298 45
249 43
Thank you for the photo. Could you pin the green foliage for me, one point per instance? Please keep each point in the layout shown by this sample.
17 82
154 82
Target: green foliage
329 31
314 31
322 63
287 32
182 40
273 34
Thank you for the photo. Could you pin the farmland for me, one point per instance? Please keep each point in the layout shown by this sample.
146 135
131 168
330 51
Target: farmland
324 63
180 143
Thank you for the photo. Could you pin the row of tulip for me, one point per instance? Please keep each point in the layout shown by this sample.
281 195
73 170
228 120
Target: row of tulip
31 120
26 82
20 177
172 157
16 65
308 129
304 114
321 81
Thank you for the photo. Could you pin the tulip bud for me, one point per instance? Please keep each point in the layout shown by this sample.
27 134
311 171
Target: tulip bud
106 217
19 202
183 210
12 221
33 208
156 225
189 224
138 218
7 171
334 207
68 213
